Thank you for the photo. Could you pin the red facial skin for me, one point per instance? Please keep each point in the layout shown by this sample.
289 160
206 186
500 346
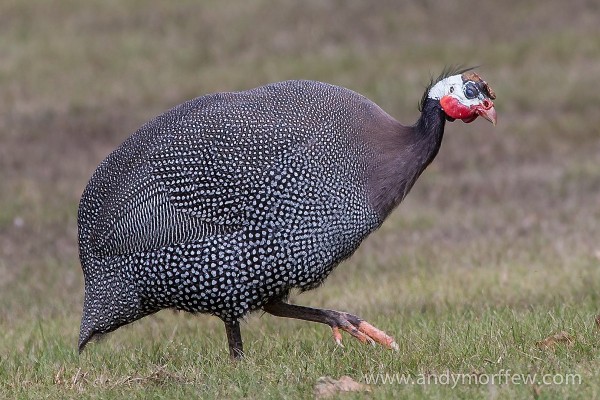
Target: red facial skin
455 109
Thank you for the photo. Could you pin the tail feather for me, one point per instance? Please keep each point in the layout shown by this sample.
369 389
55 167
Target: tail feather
87 329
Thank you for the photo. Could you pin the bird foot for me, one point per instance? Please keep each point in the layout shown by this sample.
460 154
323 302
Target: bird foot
337 320
363 331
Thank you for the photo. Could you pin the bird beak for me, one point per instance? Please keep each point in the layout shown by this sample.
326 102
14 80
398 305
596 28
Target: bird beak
486 110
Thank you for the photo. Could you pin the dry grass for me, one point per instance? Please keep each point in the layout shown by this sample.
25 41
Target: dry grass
495 249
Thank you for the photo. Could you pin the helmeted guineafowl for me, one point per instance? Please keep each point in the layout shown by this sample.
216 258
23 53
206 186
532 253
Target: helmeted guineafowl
225 203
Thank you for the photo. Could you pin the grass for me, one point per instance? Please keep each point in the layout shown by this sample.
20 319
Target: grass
493 251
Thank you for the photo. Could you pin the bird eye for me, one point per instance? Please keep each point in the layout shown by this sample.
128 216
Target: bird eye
471 90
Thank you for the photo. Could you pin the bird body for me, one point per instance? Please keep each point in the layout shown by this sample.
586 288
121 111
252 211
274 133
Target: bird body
225 203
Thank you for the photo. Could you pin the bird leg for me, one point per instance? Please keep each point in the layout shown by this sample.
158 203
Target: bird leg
234 338
337 320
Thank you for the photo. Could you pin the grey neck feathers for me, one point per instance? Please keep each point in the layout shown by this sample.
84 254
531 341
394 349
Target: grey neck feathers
401 162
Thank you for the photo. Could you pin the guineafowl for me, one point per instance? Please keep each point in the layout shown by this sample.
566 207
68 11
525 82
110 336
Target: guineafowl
227 202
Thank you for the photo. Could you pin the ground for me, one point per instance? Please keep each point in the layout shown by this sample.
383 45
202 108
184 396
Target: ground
494 250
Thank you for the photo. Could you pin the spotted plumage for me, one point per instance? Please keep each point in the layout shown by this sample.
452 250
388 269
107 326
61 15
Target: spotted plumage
225 203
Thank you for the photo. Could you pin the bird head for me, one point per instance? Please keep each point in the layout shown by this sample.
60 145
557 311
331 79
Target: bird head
464 96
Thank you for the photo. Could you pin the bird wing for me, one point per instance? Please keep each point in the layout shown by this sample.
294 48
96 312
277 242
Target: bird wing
196 171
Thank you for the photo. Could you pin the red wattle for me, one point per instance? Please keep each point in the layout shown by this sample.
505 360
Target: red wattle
454 109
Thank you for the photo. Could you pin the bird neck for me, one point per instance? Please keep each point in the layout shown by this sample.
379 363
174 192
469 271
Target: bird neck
427 133
406 155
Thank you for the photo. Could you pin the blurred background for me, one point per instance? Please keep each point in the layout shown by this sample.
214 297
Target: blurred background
517 204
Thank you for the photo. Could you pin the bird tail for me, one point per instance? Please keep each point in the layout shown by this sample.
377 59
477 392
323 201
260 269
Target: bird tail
87 329
110 301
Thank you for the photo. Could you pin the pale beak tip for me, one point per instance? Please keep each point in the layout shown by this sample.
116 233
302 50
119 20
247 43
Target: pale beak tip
490 115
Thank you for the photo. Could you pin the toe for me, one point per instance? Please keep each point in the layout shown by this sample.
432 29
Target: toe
355 332
377 335
337 336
